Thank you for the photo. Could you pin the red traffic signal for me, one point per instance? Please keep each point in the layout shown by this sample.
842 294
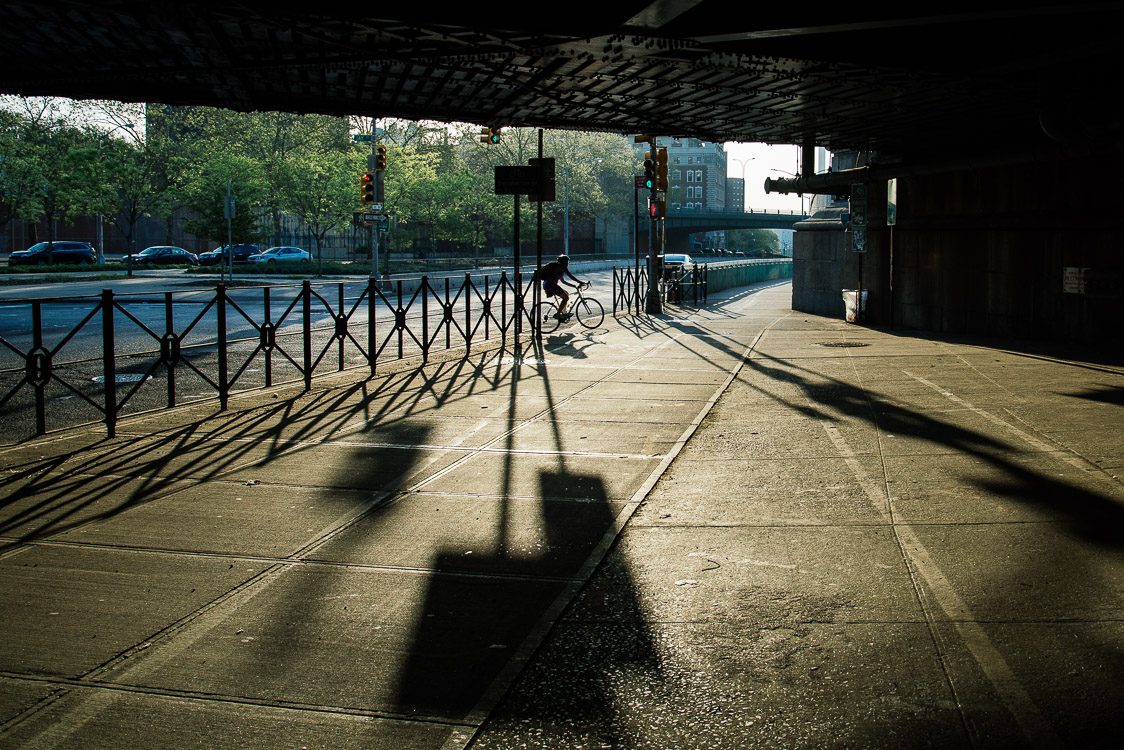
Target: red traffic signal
367 187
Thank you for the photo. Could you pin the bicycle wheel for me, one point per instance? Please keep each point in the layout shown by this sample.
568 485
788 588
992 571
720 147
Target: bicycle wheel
548 316
589 312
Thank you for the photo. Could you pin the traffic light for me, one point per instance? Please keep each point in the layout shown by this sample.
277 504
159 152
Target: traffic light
657 209
649 171
661 170
490 136
380 158
367 188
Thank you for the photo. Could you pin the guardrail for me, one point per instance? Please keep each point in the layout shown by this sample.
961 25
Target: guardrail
743 273
219 341
693 284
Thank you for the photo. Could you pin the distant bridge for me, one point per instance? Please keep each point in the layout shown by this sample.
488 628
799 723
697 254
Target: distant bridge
682 224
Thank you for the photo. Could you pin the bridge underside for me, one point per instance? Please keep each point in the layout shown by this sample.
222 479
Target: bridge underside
951 77
1000 123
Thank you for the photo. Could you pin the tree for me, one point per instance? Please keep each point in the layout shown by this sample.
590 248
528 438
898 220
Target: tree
136 172
205 193
754 241
322 191
20 186
54 177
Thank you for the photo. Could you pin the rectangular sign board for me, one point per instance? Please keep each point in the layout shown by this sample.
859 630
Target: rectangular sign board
892 202
546 166
1073 280
516 180
527 180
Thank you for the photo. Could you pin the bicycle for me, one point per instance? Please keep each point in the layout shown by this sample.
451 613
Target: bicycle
587 310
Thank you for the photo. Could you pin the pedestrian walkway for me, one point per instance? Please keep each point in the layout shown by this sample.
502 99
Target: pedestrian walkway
733 527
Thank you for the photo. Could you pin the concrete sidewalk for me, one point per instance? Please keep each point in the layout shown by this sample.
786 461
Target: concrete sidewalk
736 527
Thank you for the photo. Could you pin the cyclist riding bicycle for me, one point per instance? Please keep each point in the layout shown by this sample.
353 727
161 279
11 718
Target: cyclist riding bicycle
553 274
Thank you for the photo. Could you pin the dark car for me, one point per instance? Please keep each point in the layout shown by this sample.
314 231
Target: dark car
240 253
163 255
70 253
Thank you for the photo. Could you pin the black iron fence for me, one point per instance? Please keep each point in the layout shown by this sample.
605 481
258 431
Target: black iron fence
75 360
691 284
678 285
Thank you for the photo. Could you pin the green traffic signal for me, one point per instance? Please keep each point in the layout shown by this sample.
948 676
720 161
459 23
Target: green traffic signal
649 172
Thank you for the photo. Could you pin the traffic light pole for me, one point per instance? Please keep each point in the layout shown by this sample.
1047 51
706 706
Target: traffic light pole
374 227
654 305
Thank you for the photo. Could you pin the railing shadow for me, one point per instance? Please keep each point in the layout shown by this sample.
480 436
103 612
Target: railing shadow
48 495
1091 515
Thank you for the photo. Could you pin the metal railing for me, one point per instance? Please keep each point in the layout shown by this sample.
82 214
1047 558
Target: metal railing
680 285
692 284
197 344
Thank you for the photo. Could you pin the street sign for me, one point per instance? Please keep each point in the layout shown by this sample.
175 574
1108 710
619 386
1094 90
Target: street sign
641 182
516 180
374 217
858 218
547 168
361 138
527 180
892 202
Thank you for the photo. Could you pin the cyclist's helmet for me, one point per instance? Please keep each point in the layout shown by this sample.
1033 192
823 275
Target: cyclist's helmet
564 259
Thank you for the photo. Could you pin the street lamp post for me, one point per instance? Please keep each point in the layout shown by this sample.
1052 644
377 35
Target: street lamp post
566 215
745 191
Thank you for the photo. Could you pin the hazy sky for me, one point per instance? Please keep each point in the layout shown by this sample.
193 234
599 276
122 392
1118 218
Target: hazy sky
759 162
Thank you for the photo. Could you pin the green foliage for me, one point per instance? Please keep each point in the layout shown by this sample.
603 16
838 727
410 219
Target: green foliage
130 161
206 191
754 241
319 189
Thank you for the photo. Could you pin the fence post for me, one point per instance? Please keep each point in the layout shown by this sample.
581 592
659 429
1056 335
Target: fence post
468 291
109 363
425 318
38 366
306 292
170 347
614 290
447 314
372 315
269 338
341 335
400 320
503 309
220 314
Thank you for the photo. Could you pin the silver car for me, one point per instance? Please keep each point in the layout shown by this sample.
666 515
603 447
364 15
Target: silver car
275 254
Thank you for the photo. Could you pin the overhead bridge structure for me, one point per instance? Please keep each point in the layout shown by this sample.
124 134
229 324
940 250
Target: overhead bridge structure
680 225
994 119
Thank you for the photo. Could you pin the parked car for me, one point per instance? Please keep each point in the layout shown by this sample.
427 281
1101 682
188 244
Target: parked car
70 253
240 253
276 254
163 255
677 260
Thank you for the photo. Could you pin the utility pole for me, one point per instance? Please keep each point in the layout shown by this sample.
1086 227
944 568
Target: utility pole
378 198
653 305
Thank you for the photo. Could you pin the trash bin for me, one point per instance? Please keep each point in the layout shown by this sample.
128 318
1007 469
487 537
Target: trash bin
854 314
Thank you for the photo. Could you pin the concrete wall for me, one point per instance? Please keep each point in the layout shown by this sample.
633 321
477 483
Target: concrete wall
979 251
